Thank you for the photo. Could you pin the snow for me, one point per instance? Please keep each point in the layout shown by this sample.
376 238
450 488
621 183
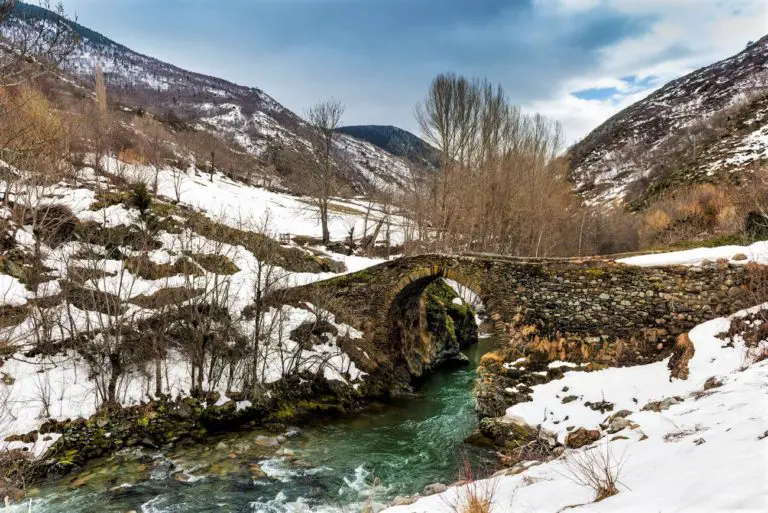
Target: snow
62 382
708 453
12 292
757 252
245 207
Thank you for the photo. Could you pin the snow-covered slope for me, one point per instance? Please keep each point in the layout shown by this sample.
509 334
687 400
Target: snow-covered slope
705 450
246 117
36 387
708 122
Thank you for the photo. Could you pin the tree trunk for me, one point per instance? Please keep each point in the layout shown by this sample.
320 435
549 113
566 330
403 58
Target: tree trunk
324 223
158 377
116 371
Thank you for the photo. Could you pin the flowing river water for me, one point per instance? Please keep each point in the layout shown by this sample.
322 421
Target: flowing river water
333 467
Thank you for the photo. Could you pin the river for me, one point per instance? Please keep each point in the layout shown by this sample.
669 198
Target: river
381 453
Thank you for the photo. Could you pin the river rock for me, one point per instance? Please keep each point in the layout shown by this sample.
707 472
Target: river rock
267 441
292 432
404 501
286 453
508 429
256 472
434 488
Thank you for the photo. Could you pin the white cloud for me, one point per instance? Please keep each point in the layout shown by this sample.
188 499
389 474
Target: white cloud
687 35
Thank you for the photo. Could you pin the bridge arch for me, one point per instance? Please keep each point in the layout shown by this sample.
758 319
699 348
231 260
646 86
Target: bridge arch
404 327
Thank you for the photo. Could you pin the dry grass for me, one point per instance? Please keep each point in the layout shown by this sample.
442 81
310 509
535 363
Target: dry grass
597 469
690 212
473 495
132 156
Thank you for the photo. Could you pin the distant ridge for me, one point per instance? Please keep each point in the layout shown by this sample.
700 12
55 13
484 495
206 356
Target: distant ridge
397 142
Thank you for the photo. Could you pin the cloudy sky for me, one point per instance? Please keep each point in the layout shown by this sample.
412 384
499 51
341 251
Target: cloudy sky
577 61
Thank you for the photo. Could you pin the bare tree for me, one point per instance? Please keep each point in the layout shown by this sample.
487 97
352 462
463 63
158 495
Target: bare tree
100 122
324 119
513 195
268 281
33 42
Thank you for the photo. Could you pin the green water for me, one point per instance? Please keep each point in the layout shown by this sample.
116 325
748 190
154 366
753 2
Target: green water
379 454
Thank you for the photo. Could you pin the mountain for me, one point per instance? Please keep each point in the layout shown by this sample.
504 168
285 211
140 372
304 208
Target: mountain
709 125
246 118
398 142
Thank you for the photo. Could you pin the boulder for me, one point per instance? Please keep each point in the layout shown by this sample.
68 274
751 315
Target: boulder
509 430
712 382
617 424
581 437
434 489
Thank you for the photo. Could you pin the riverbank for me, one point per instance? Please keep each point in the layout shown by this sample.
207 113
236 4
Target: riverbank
381 452
302 399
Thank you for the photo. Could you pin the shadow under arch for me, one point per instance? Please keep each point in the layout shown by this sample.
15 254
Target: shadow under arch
404 326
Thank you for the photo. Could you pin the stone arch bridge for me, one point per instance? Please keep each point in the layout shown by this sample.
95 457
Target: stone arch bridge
572 309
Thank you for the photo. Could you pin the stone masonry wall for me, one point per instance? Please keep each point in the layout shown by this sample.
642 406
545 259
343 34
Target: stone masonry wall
579 310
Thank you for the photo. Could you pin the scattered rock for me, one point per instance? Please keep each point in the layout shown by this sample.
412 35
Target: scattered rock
712 382
662 405
617 424
601 406
619 437
434 488
739 257
581 437
569 399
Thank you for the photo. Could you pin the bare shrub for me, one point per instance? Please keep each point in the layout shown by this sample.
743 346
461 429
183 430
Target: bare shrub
597 469
473 495
691 212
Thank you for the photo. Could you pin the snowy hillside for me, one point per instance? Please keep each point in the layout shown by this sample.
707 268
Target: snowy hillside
246 117
180 266
709 122
694 445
